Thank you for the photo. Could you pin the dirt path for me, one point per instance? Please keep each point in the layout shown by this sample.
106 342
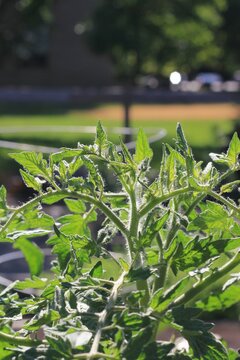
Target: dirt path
171 112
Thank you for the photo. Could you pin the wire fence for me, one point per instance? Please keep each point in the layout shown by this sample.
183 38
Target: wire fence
161 133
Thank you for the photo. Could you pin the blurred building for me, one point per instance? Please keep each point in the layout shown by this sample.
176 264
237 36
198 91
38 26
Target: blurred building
67 61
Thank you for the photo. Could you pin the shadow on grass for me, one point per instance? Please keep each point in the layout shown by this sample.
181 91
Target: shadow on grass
24 108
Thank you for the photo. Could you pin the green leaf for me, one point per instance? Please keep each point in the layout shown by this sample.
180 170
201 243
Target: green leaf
160 299
30 181
66 246
233 151
53 198
34 283
61 346
63 171
75 206
157 350
94 176
177 156
227 188
124 264
126 154
170 167
219 158
231 158
5 352
28 233
74 224
202 343
32 254
34 219
213 217
3 200
206 347
132 321
101 138
32 162
194 183
198 251
141 273
74 165
143 150
65 153
134 298
152 256
45 317
61 247
135 345
97 270
79 338
181 140
220 300
233 355
153 229
186 318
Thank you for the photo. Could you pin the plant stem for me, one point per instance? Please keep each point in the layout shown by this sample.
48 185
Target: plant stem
133 236
172 231
162 268
199 198
103 316
207 282
157 200
224 201
160 280
97 355
17 340
100 205
134 222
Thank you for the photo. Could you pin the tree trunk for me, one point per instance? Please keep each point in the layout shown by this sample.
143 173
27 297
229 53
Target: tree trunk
127 119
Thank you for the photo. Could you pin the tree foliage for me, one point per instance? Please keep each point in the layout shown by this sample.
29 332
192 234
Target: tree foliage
158 36
230 29
23 28
97 304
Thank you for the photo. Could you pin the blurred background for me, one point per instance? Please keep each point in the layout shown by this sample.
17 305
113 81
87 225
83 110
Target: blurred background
64 65
129 63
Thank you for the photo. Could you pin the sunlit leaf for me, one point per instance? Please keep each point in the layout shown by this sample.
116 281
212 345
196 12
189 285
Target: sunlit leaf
32 254
143 150
32 162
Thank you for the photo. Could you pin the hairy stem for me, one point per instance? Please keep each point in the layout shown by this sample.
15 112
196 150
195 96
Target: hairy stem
224 201
207 282
162 268
97 355
100 205
103 316
157 200
134 222
160 280
17 340
133 236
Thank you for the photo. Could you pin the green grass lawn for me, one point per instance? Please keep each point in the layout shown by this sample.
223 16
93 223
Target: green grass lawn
17 124
207 133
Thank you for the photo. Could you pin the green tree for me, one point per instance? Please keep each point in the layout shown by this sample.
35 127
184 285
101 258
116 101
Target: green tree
143 37
231 40
23 25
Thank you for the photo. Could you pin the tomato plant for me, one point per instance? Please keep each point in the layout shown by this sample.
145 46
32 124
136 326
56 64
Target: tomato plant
97 304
